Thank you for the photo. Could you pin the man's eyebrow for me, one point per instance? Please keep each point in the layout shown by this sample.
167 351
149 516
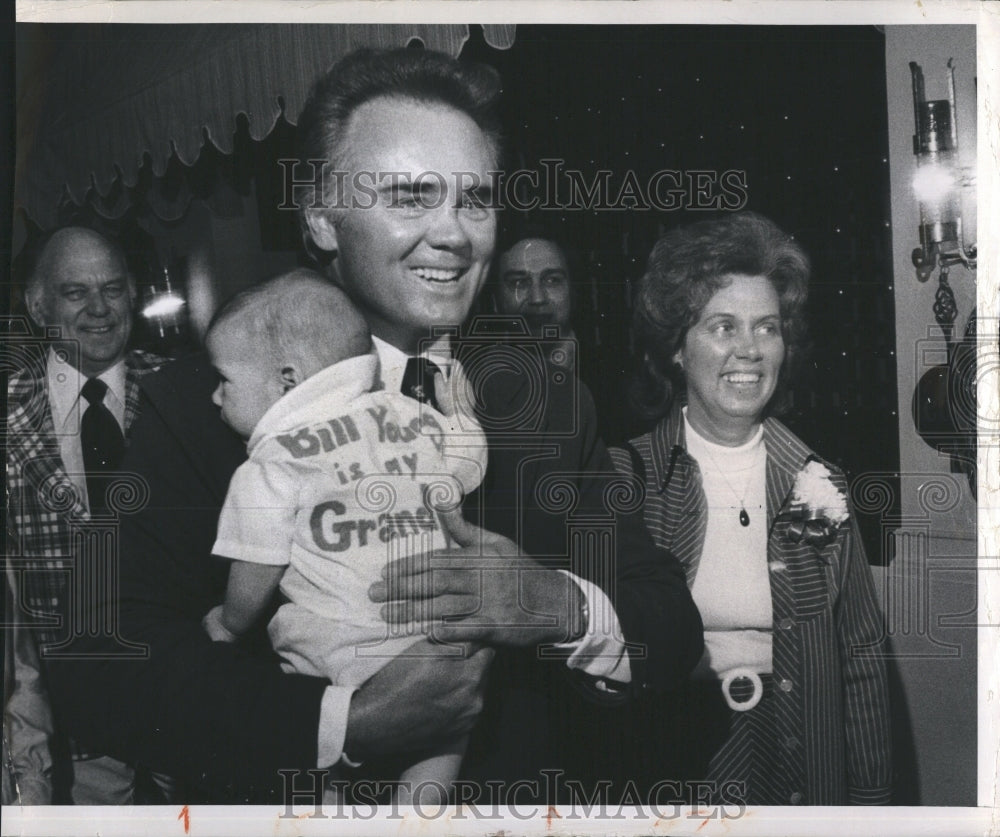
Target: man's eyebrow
482 192
409 187
514 274
76 283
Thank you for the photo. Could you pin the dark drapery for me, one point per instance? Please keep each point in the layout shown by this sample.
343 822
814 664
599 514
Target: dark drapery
94 101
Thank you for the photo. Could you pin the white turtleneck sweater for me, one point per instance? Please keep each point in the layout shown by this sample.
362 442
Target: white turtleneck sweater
731 588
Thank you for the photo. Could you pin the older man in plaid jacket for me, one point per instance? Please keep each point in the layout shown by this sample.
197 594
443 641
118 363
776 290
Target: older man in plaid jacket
70 405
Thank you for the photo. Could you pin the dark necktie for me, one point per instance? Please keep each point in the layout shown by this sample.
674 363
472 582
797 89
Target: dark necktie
102 442
418 381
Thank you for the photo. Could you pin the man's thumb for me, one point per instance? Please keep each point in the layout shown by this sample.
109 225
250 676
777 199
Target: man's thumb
459 530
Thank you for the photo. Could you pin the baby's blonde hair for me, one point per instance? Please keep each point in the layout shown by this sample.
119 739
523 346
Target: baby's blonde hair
299 318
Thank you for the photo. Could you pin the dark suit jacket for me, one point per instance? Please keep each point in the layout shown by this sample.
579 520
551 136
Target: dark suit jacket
550 485
230 719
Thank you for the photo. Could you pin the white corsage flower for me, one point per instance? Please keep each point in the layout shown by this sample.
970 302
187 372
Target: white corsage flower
818 506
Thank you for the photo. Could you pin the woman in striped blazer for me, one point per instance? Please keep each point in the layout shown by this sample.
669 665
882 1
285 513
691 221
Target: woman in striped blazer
788 704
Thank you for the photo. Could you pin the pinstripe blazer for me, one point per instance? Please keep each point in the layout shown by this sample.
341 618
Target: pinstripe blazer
42 500
831 699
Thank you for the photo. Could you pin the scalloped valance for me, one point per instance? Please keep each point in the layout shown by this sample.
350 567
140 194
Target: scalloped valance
96 101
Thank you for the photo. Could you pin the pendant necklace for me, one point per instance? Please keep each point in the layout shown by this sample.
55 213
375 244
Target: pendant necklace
741 498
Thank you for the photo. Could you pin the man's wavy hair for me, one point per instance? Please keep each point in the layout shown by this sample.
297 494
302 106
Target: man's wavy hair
405 73
685 269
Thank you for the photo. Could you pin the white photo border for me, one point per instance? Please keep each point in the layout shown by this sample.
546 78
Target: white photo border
984 819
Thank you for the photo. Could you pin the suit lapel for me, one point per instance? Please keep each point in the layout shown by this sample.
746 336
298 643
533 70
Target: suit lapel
690 540
785 458
131 397
33 445
495 407
137 364
780 482
675 474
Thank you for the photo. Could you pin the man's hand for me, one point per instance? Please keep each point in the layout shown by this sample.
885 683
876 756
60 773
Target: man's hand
423 697
483 590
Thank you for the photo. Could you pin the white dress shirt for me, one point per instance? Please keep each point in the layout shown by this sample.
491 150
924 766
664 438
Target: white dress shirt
600 652
65 383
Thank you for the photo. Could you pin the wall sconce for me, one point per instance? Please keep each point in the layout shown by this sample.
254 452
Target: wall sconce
165 310
944 399
937 182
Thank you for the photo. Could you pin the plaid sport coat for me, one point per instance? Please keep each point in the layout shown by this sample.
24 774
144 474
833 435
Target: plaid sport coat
43 506
831 699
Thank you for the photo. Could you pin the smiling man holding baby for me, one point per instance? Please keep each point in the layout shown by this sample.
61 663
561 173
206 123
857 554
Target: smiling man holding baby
225 716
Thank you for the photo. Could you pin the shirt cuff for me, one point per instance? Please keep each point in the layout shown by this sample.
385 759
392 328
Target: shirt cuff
333 724
600 652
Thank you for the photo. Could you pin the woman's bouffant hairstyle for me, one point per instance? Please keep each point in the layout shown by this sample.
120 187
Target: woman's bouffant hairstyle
686 267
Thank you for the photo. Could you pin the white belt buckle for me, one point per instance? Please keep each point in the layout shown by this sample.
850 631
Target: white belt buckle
753 700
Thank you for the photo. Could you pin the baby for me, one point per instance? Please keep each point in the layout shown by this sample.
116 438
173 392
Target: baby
341 479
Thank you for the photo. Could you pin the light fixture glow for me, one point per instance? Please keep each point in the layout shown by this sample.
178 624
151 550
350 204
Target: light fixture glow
166 305
933 184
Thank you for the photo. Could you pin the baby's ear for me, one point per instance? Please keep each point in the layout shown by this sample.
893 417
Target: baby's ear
290 378
321 228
